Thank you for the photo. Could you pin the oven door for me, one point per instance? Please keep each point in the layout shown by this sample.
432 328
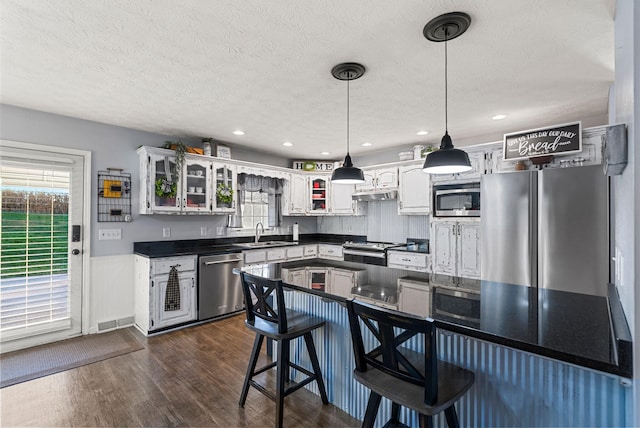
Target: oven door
460 307
363 256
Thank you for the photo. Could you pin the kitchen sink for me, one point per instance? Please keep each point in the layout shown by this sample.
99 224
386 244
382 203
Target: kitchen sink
266 244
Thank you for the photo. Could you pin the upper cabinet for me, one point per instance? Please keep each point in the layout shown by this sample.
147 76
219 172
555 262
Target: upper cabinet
379 178
414 191
224 188
169 190
318 194
478 167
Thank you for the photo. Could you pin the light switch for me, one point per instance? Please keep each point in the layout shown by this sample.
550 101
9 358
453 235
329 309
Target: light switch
203 231
166 232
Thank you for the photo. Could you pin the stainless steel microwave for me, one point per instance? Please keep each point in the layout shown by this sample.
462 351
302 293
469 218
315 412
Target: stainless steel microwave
457 200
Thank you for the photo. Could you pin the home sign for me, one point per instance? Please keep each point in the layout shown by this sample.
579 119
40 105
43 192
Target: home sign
312 166
557 140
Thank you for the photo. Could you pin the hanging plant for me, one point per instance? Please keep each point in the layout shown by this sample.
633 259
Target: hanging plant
224 193
180 150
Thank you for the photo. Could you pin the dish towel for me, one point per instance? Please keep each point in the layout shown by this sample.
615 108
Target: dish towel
172 294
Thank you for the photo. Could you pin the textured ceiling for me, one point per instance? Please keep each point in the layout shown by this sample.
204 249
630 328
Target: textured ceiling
205 68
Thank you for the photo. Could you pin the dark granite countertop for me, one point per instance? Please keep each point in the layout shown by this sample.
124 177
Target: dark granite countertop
570 327
154 249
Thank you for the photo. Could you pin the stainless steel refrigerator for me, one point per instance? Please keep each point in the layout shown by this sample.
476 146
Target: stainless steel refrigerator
546 229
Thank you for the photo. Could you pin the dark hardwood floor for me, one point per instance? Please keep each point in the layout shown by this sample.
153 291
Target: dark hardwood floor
190 377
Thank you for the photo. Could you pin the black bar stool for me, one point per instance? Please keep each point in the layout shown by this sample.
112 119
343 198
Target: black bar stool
407 378
282 325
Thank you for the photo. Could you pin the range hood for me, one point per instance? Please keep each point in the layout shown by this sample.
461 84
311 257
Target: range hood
376 195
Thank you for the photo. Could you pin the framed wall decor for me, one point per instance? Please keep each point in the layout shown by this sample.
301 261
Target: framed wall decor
223 151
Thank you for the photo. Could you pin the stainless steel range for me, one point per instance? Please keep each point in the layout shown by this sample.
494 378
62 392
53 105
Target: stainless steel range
373 253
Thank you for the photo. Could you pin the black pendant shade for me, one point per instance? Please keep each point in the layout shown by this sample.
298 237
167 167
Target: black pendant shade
347 173
447 159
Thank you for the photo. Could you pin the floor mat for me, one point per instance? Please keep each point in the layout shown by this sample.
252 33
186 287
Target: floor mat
27 364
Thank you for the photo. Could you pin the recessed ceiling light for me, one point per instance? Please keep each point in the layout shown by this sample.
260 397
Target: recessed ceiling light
287 144
499 116
238 132
366 144
325 153
422 132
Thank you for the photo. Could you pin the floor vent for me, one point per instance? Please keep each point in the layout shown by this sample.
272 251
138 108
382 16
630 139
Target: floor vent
110 325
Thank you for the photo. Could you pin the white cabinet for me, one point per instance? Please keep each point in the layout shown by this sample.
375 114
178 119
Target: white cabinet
342 281
414 191
224 188
295 252
295 276
276 254
414 297
152 309
168 190
253 257
341 202
379 178
477 158
330 252
310 251
296 193
456 245
405 260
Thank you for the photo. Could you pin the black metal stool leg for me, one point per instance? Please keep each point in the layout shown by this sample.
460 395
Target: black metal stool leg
372 410
452 417
425 421
255 353
395 413
308 339
281 378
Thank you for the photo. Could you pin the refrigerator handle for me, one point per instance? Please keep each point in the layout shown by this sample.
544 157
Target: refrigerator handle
534 232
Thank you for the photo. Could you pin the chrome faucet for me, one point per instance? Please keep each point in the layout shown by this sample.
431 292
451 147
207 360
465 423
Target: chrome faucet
260 231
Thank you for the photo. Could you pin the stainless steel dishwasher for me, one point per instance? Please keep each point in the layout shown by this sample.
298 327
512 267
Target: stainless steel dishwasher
219 289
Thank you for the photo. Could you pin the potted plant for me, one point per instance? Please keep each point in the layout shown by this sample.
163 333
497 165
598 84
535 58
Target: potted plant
224 195
180 150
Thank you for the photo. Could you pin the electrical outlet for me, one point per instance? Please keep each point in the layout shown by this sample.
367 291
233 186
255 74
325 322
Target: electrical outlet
109 234
203 231
166 232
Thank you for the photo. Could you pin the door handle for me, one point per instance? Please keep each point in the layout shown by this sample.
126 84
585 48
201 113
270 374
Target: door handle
75 251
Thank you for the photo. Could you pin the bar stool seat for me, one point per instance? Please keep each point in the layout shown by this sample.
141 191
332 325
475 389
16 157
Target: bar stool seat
282 325
407 378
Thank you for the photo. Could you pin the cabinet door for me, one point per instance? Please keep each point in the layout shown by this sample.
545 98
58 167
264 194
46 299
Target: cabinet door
298 194
414 298
276 254
185 311
297 277
318 194
387 178
478 167
310 251
468 243
341 282
414 192
295 252
196 186
369 181
166 185
254 257
340 201
224 188
444 243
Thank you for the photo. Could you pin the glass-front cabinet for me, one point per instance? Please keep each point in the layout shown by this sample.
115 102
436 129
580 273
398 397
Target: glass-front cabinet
318 188
164 185
196 189
224 188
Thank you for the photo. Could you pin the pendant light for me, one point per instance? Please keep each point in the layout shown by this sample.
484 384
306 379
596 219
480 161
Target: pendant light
447 159
347 173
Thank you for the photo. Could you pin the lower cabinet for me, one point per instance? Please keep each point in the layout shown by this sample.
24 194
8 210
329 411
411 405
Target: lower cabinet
414 297
338 281
330 252
456 245
160 302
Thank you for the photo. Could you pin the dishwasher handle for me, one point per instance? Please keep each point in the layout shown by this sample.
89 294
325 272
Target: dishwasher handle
217 262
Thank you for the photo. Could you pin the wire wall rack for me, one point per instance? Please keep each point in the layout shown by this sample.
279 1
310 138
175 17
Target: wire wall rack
114 196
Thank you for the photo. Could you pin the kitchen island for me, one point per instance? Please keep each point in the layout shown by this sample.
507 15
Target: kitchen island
541 357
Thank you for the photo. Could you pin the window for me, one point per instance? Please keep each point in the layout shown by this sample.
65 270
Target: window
255 208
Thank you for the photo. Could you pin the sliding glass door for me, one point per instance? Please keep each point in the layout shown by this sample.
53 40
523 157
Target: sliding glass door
42 197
